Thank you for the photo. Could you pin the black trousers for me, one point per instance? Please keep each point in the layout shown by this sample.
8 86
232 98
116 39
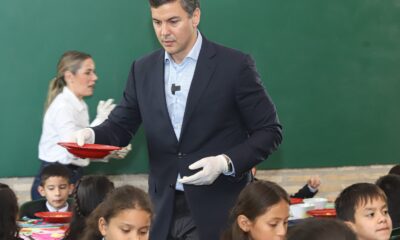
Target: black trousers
182 224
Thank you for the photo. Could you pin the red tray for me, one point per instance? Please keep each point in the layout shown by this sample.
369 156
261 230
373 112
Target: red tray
296 200
88 150
55 217
327 212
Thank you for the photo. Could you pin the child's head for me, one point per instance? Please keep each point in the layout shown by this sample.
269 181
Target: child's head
55 185
395 170
363 206
321 228
126 213
89 192
8 213
390 184
260 212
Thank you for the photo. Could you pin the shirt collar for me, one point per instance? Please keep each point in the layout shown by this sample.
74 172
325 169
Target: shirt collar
194 52
52 209
75 101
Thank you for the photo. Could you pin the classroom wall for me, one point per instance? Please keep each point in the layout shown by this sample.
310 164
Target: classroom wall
332 69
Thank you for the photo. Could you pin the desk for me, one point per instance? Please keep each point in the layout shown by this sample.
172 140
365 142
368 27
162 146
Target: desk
41 230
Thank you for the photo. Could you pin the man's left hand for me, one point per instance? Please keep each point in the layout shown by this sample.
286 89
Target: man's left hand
212 168
120 154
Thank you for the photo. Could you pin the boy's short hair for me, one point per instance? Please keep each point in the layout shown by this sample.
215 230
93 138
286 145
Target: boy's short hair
395 170
54 170
356 195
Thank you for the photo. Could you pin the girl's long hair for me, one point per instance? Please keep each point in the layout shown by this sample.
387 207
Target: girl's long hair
253 201
122 198
89 192
8 213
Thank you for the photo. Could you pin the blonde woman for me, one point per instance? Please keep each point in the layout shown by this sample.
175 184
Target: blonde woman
66 112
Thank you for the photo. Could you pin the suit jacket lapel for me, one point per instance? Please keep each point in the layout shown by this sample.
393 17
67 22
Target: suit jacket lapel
204 69
159 89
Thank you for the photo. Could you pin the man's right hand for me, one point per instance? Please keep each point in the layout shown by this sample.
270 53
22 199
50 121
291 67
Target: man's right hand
83 136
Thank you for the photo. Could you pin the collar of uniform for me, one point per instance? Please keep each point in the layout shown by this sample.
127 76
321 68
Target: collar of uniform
75 101
52 209
194 52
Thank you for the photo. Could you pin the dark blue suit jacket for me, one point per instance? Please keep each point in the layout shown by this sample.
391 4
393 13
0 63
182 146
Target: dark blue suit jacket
228 111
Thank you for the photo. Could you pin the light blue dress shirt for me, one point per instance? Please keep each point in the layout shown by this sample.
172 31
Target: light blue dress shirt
180 75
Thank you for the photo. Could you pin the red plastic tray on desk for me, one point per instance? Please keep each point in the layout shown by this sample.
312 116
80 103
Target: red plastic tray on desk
328 212
55 217
296 200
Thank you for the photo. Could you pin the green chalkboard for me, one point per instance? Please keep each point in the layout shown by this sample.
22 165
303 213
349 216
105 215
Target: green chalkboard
332 68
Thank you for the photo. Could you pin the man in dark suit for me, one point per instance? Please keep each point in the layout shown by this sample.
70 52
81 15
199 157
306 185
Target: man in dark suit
207 119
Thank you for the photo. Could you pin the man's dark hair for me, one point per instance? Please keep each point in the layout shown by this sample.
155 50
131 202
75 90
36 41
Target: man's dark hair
188 5
54 170
354 196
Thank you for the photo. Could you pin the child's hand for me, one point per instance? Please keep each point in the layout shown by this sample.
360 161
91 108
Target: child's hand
314 182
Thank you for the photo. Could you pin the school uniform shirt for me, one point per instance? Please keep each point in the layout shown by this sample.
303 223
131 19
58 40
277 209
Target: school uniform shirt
65 115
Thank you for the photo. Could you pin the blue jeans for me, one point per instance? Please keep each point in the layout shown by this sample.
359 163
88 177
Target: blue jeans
75 173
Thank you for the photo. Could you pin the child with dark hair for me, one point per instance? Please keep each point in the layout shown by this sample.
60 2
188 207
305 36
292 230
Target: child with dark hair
321 228
8 213
89 192
55 187
390 184
309 190
363 206
260 212
125 214
395 170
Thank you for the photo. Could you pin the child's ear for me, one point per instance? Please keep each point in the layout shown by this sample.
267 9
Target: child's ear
71 188
102 224
351 225
244 223
41 191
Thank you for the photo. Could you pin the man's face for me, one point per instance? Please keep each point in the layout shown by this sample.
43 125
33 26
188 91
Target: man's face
372 221
175 29
56 191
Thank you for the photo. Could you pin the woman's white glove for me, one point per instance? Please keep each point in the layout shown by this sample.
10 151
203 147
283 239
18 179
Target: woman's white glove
103 110
212 168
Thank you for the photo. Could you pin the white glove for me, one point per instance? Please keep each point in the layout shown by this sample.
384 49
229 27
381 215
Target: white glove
313 183
103 110
212 168
82 136
120 154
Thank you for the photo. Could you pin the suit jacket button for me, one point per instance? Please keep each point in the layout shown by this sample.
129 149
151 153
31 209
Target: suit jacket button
180 155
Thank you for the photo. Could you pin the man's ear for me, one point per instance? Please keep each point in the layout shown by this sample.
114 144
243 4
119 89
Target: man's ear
41 191
244 223
71 188
102 224
196 17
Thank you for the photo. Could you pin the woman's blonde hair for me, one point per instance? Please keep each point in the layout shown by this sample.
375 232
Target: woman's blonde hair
69 61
